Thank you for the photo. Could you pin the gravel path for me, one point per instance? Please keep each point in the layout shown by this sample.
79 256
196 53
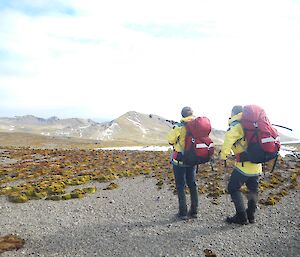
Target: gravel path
138 220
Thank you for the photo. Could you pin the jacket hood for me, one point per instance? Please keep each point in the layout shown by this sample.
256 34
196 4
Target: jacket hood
187 119
236 117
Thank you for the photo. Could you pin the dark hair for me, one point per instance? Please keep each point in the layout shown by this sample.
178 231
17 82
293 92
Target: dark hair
237 109
186 111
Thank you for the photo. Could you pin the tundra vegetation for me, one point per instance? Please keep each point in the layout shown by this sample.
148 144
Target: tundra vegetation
28 174
63 174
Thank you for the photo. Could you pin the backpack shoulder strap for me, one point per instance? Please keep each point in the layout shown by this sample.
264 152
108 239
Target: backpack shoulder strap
179 124
232 124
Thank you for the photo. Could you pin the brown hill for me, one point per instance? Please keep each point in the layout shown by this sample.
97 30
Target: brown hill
132 128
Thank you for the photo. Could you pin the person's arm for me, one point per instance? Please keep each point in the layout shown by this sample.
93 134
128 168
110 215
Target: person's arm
232 135
173 135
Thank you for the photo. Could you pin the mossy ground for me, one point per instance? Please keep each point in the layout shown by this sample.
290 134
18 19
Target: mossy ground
27 174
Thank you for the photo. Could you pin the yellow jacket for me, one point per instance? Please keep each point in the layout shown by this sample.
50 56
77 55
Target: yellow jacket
234 140
176 136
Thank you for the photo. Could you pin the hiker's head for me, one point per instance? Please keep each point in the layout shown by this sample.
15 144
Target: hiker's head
186 111
236 110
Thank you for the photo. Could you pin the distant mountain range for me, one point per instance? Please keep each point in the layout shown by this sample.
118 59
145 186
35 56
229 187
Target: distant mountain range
130 128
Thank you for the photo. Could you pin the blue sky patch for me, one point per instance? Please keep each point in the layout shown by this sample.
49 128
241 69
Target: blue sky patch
7 55
36 8
4 55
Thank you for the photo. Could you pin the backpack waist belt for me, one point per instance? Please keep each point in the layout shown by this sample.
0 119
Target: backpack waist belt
177 162
241 157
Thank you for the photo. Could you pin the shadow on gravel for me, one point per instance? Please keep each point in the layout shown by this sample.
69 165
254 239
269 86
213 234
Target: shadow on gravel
142 238
288 247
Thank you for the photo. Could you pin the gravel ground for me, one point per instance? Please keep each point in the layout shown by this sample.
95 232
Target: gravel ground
139 220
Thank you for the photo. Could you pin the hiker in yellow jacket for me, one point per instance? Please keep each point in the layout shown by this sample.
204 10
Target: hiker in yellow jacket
243 172
184 174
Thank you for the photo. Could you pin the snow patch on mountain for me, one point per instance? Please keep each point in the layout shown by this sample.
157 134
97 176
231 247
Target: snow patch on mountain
84 127
62 133
108 133
288 149
139 125
139 148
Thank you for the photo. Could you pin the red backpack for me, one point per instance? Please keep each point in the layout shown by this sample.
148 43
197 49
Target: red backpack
262 138
198 147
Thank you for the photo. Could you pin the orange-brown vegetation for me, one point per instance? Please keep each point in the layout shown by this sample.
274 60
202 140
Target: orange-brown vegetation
49 174
10 242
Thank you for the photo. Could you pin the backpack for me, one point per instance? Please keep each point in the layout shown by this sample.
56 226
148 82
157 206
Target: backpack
198 147
262 138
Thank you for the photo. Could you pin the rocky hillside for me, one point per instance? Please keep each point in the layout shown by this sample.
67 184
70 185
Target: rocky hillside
132 128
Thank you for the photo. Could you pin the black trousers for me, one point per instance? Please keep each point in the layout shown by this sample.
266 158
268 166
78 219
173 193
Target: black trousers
237 179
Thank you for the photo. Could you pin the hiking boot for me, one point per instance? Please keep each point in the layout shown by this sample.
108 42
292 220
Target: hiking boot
181 216
250 216
239 218
193 214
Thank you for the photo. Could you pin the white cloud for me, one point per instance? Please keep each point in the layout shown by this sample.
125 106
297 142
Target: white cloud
116 56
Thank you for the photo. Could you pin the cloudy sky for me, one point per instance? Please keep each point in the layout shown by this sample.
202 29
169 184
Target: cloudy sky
99 59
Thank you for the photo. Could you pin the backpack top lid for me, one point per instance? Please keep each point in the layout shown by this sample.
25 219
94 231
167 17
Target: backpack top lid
199 127
253 117
254 120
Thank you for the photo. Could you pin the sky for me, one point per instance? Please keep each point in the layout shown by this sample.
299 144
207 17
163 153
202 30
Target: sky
99 59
